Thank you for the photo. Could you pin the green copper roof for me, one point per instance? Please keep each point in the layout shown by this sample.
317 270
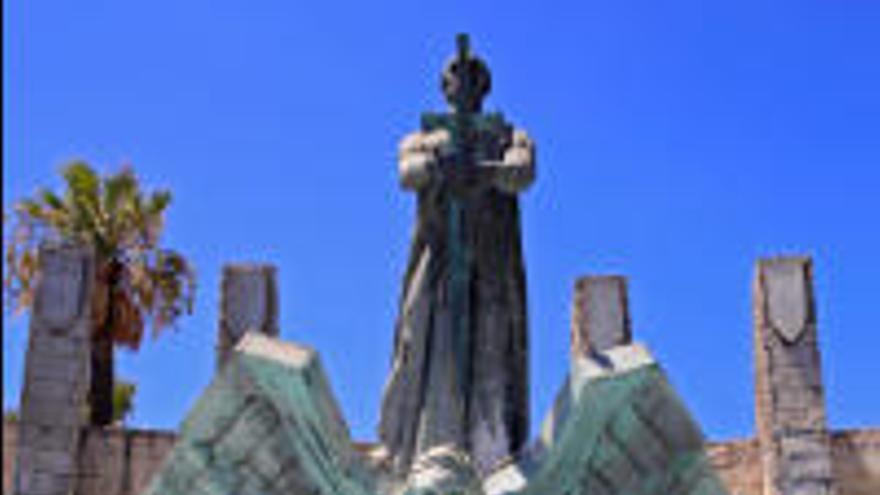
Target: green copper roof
617 428
268 424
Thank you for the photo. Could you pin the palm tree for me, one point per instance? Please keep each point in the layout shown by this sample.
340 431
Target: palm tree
136 281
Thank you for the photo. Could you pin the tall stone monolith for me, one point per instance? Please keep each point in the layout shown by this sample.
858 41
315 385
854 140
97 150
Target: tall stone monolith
248 303
790 403
56 379
600 314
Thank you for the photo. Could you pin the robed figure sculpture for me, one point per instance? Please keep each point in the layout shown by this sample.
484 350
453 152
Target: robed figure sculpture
459 377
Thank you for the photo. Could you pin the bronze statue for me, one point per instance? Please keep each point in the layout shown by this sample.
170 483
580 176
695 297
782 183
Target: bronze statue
460 367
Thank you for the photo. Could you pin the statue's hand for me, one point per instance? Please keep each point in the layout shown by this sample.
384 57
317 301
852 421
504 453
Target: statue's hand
419 157
516 170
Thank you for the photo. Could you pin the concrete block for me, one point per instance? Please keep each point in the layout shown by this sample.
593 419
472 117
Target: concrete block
600 314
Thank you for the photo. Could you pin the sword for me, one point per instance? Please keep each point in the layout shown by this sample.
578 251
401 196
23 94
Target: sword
459 252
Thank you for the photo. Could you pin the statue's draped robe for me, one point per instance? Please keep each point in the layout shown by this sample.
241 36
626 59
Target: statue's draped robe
435 396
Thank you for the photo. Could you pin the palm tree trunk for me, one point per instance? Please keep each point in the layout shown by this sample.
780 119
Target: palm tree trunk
101 387
100 396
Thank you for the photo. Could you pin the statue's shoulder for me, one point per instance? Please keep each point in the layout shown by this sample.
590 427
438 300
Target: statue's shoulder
522 139
424 141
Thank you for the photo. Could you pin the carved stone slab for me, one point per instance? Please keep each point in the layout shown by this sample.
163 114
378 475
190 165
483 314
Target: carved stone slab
56 372
248 303
600 314
789 401
62 286
788 304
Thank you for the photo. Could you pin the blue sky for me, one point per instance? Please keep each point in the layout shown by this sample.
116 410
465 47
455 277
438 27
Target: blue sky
677 143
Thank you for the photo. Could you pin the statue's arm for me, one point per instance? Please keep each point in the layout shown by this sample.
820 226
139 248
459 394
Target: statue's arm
418 157
516 171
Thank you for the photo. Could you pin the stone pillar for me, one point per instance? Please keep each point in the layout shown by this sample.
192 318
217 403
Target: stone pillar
56 372
248 303
795 445
600 314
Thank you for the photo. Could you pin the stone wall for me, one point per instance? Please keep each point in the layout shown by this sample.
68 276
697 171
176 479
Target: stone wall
114 461
130 457
10 442
855 456
738 464
855 460
119 461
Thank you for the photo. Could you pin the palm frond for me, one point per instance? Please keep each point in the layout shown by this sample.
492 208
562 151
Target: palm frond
83 198
159 200
51 200
82 181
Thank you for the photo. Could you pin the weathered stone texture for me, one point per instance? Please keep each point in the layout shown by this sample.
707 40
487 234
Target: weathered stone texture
148 450
116 461
248 303
56 372
789 397
112 461
102 463
600 314
738 464
856 461
10 444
